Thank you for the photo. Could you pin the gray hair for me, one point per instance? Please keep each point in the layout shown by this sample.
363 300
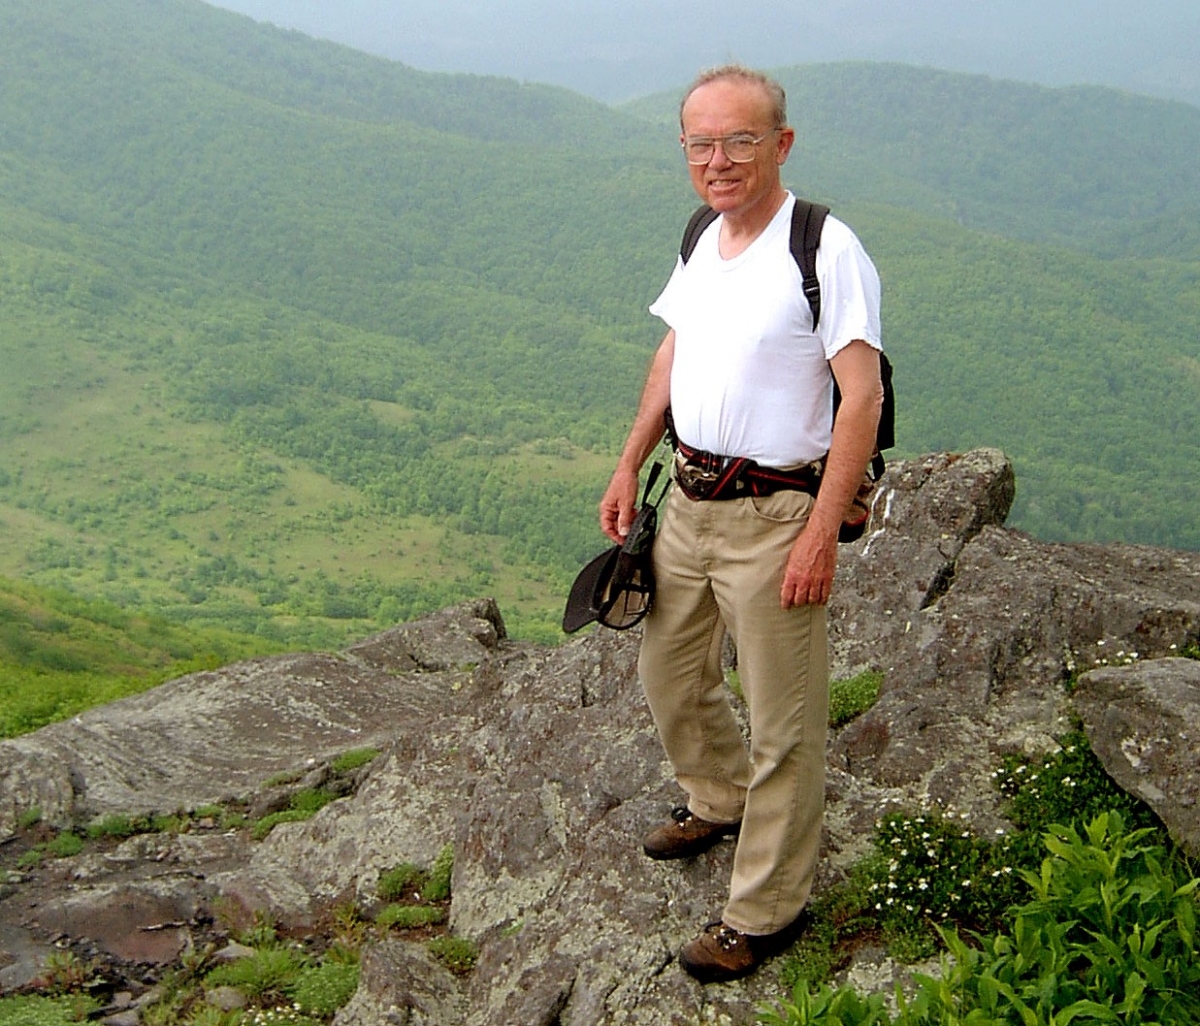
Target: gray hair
740 73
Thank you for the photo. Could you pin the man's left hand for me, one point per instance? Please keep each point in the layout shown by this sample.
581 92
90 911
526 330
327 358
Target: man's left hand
808 576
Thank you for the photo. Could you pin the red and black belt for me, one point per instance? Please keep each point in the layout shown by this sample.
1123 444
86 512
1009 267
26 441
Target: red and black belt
707 475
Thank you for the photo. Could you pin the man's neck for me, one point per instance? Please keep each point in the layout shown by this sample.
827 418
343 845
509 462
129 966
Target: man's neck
740 229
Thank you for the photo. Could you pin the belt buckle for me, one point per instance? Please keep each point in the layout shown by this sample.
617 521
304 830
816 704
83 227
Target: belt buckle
695 481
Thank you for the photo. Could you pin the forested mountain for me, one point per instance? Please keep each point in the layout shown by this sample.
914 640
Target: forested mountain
302 340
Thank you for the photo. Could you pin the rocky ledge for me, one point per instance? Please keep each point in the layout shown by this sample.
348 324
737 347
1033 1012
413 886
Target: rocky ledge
541 768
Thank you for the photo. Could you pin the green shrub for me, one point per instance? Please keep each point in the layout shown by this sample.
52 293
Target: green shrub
114 826
64 845
1068 785
321 990
269 973
1108 936
409 917
353 759
457 954
853 696
304 805
825 1006
400 881
437 887
930 868
311 800
265 825
46 1011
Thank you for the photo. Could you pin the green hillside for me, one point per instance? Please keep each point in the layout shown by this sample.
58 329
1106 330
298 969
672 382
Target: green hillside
301 342
61 654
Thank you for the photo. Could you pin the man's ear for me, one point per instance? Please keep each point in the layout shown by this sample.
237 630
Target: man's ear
787 138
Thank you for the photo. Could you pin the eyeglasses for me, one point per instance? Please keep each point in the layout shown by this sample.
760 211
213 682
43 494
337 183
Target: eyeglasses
740 147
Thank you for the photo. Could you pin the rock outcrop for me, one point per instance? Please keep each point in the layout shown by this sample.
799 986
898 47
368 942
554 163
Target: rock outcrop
542 768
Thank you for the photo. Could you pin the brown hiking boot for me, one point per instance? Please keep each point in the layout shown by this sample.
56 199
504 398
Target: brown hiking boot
723 953
685 835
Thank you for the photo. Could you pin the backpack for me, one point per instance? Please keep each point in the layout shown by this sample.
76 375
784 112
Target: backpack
807 221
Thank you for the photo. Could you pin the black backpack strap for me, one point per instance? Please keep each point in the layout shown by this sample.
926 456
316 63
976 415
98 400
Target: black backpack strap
807 221
701 219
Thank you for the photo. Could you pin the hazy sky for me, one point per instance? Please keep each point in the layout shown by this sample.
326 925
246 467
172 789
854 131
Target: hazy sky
617 49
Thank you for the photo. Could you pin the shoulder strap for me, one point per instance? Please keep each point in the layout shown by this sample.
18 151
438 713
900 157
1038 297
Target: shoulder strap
807 221
701 219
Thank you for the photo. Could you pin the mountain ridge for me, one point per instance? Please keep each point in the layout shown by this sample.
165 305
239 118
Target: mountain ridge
404 338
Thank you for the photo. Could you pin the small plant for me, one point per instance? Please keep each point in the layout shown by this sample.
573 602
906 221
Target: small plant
733 680
437 887
29 818
400 881
65 972
353 759
61 846
283 778
1068 785
169 824
268 973
853 697
65 845
825 1006
312 800
349 931
455 953
233 820
281 1015
115 826
261 933
29 1010
930 867
207 1015
304 805
839 916
321 990
410 917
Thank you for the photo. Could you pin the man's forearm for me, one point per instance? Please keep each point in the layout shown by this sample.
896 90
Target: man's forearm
649 422
850 453
854 433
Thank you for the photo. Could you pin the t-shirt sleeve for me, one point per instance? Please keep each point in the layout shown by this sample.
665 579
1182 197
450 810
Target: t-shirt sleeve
850 291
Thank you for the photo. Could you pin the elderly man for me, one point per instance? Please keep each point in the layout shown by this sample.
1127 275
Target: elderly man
743 373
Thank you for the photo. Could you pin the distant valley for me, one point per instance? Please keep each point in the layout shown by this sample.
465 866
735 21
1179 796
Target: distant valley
300 342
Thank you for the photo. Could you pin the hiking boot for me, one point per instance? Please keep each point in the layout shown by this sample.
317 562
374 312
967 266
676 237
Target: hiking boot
722 953
685 835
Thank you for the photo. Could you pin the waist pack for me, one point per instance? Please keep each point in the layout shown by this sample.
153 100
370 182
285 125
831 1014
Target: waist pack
706 476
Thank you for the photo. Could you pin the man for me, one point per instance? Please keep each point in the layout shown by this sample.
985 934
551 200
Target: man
744 375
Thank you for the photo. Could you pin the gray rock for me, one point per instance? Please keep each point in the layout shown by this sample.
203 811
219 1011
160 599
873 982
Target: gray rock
542 768
220 734
1143 722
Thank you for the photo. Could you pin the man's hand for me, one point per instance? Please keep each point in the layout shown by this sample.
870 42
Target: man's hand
808 576
617 507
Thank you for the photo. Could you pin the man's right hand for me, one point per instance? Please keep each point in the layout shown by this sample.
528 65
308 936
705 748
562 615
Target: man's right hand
617 507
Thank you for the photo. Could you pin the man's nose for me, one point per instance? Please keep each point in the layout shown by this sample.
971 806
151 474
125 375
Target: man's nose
719 157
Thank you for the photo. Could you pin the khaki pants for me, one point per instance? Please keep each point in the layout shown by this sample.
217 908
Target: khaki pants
719 564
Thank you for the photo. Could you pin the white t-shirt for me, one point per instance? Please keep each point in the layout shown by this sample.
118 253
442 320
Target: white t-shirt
749 377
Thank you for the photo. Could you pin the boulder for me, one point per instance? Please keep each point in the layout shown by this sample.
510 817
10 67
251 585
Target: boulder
1142 719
